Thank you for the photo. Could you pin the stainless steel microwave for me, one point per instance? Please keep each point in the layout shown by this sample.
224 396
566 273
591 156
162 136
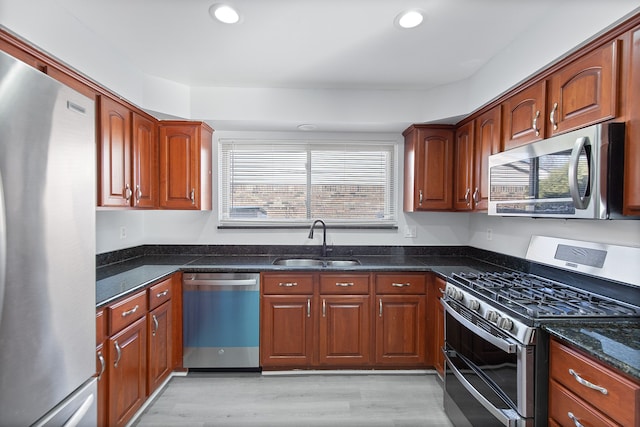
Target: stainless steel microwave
574 175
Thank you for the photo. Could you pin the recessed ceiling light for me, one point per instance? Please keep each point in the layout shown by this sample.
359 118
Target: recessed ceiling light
307 127
409 19
224 13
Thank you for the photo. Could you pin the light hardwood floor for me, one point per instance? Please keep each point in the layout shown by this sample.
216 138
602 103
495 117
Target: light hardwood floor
252 399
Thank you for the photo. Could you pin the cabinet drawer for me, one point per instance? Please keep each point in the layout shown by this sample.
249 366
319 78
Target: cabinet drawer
400 283
344 284
565 408
127 311
622 399
287 283
160 293
101 324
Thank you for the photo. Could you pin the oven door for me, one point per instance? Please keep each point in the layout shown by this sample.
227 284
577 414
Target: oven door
489 377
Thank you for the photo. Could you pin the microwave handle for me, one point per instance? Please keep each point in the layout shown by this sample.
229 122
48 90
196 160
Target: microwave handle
578 201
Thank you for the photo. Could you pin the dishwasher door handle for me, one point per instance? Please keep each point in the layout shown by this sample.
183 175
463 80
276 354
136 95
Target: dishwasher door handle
222 282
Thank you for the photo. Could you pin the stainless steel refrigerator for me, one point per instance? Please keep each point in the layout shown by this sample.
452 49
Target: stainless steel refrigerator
47 250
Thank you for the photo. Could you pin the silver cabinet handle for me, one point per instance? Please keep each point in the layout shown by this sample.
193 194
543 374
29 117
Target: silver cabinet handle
587 383
324 308
552 116
163 293
466 196
574 419
308 307
420 198
288 284
127 192
129 312
155 325
102 365
476 192
118 354
534 126
380 308
344 284
192 196
400 285
138 194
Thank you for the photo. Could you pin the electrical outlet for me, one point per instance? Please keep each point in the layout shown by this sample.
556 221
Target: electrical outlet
489 234
123 232
410 231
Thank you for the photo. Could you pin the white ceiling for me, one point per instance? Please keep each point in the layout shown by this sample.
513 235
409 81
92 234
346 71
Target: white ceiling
310 43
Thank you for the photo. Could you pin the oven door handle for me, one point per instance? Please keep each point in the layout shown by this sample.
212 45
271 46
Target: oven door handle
507 417
503 344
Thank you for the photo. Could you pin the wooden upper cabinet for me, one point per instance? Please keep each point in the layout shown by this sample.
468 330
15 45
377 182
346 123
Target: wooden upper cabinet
524 116
115 185
631 186
185 165
463 167
128 165
475 141
584 91
487 141
428 168
145 162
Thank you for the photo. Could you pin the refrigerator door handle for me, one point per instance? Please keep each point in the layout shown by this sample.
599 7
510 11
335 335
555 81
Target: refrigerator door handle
3 246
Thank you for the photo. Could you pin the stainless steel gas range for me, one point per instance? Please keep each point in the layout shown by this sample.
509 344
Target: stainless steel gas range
496 353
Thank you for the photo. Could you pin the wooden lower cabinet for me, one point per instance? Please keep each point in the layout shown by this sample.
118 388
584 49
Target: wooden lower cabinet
127 371
583 391
401 330
159 324
437 312
344 338
286 331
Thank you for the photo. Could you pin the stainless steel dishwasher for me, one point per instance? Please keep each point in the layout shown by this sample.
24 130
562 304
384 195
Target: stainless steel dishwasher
221 315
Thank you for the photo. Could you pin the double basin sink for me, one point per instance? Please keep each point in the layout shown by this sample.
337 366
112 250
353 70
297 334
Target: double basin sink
315 262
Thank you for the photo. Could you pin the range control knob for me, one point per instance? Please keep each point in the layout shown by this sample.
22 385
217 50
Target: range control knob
492 316
474 305
504 323
454 293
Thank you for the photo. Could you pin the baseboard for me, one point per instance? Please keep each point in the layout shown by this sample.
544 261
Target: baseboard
353 372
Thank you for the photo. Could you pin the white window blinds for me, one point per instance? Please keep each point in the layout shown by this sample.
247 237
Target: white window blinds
283 183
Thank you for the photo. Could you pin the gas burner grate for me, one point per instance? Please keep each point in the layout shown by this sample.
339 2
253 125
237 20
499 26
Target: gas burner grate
538 297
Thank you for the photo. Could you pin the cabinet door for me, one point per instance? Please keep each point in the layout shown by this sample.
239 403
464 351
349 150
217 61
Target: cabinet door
434 176
103 385
524 117
486 143
115 187
631 200
463 168
585 91
438 325
127 371
145 163
344 330
286 331
160 346
179 167
401 330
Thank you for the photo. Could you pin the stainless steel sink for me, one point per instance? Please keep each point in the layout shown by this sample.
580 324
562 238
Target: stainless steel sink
314 262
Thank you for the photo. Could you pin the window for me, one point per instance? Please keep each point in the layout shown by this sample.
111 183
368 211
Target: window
285 183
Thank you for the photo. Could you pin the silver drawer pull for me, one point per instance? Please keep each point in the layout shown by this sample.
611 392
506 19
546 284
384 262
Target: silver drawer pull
345 284
400 285
574 419
127 313
163 293
288 284
587 383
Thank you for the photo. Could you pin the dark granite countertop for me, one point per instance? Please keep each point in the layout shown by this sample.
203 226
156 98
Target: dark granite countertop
617 343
